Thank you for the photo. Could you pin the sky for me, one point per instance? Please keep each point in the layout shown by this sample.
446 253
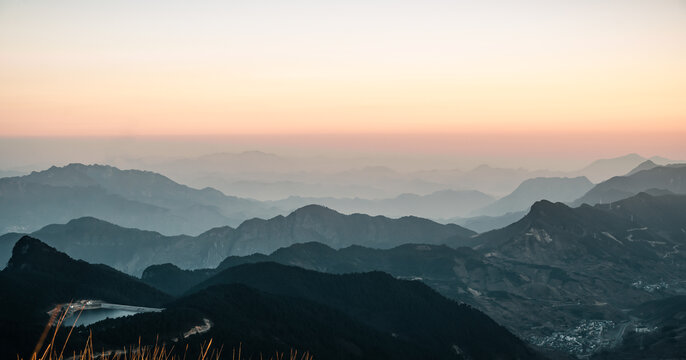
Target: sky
506 74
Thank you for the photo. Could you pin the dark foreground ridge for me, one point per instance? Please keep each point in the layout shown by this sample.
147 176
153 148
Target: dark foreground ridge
267 307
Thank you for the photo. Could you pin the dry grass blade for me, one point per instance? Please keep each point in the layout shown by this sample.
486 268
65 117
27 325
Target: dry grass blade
139 352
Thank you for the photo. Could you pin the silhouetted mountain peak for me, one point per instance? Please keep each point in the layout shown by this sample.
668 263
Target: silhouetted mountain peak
88 226
27 246
311 248
78 174
89 221
546 208
221 231
646 165
80 168
31 253
310 245
43 275
165 266
314 211
70 175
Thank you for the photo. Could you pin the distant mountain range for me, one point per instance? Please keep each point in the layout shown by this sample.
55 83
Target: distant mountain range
151 201
670 178
102 242
84 238
603 169
531 190
557 265
438 205
265 307
265 176
646 165
614 252
132 198
467 207
635 239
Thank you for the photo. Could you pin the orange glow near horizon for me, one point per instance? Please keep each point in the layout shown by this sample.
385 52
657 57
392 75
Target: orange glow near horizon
459 69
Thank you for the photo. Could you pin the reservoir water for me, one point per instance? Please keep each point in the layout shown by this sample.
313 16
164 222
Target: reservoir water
92 316
86 312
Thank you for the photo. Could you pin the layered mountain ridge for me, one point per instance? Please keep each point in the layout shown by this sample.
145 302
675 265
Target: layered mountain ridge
671 178
98 241
265 307
131 198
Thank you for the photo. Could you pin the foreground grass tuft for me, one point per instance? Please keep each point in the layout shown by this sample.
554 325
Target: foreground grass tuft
50 351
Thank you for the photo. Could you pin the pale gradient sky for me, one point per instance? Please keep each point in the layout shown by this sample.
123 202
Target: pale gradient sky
136 68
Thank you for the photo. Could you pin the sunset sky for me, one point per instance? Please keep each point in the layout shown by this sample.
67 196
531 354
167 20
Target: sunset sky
142 68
